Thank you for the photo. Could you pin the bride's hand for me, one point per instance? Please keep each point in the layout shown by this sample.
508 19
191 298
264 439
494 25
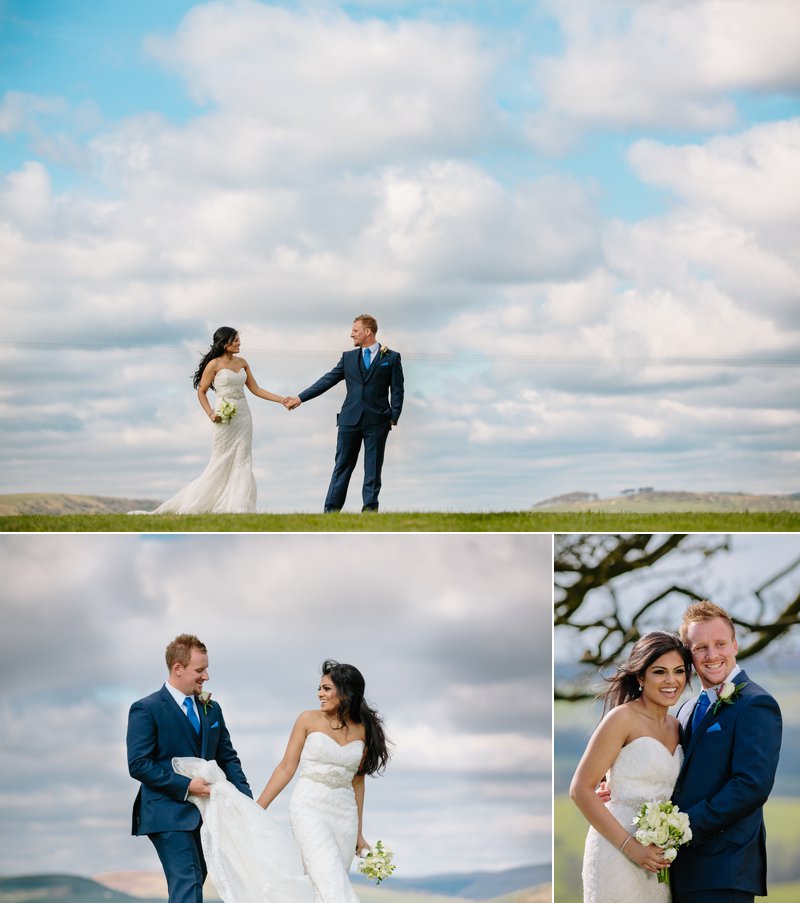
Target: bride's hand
215 418
650 858
361 845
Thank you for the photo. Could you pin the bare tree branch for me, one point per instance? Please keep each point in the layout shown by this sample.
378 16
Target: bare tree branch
590 570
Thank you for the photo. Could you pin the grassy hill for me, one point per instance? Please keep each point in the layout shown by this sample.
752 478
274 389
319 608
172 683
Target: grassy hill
75 889
658 502
782 818
60 888
54 513
58 503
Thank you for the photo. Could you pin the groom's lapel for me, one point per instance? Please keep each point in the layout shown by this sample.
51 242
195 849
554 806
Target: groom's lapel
177 713
720 718
204 716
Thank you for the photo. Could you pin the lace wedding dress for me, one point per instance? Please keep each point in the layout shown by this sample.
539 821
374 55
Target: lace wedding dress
252 859
227 485
644 770
324 816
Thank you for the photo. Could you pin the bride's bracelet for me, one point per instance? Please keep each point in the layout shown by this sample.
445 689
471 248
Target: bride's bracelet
622 845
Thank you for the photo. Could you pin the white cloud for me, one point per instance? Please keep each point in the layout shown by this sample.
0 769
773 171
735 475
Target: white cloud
663 64
295 83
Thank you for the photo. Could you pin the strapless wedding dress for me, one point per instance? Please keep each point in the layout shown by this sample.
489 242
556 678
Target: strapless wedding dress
227 485
252 859
324 815
643 771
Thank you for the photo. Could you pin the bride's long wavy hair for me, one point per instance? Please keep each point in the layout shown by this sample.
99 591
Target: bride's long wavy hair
350 686
625 684
222 337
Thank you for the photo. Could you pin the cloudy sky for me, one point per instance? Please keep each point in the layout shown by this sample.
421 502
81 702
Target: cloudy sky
574 218
452 634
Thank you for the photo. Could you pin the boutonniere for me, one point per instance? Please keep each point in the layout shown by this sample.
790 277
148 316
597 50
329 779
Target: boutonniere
728 693
204 699
384 350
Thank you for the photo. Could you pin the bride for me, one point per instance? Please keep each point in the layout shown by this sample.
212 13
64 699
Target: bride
637 745
250 859
227 485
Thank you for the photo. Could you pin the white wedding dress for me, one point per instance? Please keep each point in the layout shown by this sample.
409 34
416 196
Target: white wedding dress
643 771
227 485
252 859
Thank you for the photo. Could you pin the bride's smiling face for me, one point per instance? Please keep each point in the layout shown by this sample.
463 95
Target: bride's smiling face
664 679
327 695
234 346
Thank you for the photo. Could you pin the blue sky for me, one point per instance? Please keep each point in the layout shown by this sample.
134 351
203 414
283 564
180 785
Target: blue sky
455 678
572 218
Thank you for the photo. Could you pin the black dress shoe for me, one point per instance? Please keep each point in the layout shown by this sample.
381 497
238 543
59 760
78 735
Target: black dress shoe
369 508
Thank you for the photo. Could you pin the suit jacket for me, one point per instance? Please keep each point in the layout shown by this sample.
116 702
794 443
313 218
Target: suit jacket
727 774
159 730
367 401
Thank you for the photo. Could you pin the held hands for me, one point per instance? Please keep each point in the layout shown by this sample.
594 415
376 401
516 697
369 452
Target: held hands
291 402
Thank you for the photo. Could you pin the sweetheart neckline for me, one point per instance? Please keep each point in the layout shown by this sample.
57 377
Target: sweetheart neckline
655 740
235 372
340 745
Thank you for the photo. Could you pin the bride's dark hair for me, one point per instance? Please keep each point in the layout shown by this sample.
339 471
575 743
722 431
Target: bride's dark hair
350 685
624 685
222 337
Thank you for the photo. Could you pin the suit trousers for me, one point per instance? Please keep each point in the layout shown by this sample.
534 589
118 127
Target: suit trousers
348 446
181 855
713 896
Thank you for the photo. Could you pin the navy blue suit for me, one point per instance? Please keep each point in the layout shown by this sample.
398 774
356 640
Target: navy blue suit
728 772
366 417
158 731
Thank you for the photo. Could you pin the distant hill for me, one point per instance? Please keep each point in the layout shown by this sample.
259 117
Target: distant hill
659 502
59 889
75 889
472 885
61 503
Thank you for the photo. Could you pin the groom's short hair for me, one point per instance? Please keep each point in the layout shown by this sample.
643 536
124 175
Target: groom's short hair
703 611
179 651
369 321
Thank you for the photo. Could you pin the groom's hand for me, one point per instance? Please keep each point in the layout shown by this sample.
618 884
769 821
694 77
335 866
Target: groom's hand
199 787
603 792
291 402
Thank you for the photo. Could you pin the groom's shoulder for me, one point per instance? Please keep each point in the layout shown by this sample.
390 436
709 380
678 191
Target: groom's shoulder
148 701
751 689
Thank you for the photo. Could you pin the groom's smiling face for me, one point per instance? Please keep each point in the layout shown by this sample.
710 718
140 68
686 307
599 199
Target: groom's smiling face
714 649
189 679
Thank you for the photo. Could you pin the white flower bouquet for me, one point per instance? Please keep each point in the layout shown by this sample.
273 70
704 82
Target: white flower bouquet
377 864
226 410
663 824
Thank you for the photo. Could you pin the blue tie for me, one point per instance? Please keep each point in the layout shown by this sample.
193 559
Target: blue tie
700 709
367 357
187 704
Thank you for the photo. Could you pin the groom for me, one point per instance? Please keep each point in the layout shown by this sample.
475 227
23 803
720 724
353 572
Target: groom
371 371
177 721
731 740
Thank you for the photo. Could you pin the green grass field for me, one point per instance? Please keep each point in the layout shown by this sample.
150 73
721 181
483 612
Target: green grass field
398 522
782 818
